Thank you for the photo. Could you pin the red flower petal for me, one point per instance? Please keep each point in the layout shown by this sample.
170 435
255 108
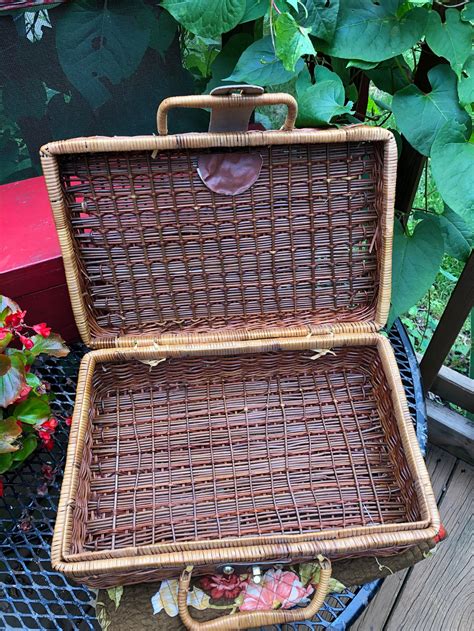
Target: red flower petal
205 583
217 586
50 424
1 487
49 444
42 329
48 472
24 392
42 489
27 343
15 319
442 534
68 420
48 427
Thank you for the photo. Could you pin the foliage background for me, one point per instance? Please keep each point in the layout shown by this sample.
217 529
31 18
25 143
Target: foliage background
100 67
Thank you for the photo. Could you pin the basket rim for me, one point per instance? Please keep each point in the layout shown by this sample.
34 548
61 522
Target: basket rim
83 316
330 542
202 140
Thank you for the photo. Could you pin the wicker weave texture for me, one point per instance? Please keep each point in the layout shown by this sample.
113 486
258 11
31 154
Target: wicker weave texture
234 447
159 252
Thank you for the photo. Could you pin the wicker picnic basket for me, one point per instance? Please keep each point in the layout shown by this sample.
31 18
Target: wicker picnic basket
240 407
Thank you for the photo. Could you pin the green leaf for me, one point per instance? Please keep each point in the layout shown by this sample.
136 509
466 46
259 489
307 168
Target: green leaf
9 432
22 357
207 19
29 445
254 9
339 66
259 65
451 39
320 16
14 164
103 617
53 345
17 105
33 381
420 116
374 31
467 14
320 103
382 105
12 382
225 61
363 65
416 261
311 572
7 303
32 411
448 275
458 236
466 82
5 364
5 462
351 92
3 315
197 63
100 42
115 595
391 75
163 32
452 165
291 41
335 586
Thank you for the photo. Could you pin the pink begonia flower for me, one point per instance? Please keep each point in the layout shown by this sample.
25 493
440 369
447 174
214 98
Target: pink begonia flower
278 589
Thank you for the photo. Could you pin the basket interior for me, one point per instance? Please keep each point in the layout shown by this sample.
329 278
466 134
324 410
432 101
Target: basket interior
159 252
243 446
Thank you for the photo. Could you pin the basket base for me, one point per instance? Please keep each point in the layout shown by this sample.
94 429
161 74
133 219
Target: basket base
213 448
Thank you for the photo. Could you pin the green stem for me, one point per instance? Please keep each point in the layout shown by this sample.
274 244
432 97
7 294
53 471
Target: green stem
403 70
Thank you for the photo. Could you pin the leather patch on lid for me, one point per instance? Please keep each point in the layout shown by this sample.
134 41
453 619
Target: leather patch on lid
229 173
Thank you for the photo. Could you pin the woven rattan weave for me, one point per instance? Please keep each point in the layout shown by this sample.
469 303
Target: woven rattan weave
243 446
157 249
241 407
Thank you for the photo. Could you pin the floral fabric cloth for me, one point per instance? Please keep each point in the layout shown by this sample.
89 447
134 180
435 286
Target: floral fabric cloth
167 598
278 589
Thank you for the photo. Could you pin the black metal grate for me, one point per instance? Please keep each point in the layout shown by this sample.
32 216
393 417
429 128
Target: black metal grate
33 596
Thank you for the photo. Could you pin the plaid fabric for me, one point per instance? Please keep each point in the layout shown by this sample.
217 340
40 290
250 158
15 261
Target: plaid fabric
8 5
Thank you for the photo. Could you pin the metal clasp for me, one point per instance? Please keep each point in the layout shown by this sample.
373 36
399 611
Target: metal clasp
256 574
228 569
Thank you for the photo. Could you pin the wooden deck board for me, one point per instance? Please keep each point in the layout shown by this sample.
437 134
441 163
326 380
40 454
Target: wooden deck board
438 594
409 589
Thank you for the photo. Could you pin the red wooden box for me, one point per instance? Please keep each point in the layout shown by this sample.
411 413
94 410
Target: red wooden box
31 266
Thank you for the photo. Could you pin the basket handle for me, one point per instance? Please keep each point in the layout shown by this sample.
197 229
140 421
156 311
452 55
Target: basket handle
231 107
251 619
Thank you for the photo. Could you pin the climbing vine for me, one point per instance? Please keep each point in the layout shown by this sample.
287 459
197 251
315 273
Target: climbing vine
405 64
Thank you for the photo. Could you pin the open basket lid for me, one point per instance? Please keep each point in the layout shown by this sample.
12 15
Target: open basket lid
225 235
